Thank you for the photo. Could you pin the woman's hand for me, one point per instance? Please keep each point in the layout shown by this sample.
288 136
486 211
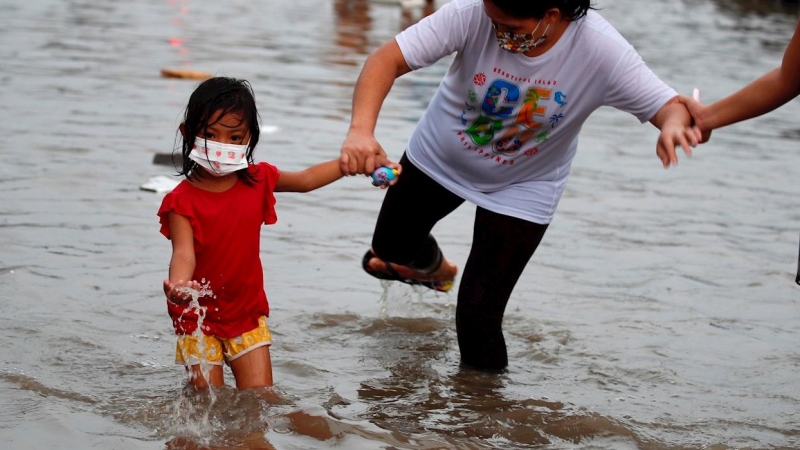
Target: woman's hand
672 135
362 154
675 123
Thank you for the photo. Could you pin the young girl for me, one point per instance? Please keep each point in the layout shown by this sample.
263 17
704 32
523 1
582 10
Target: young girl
213 219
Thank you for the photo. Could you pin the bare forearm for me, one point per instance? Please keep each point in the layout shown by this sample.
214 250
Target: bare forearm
763 95
373 85
672 113
759 97
181 267
319 175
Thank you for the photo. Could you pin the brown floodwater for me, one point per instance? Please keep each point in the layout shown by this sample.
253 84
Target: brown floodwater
660 311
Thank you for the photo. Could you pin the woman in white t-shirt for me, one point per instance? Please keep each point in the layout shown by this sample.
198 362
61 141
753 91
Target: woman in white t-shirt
500 132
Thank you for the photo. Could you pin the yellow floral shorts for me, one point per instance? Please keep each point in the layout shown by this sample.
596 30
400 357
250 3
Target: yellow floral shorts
190 349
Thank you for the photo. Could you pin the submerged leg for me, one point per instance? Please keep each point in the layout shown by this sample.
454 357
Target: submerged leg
501 247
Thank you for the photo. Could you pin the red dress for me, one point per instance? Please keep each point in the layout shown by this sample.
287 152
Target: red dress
227 236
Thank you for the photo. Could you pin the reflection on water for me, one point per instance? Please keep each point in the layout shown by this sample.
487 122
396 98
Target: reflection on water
659 313
353 22
759 7
353 26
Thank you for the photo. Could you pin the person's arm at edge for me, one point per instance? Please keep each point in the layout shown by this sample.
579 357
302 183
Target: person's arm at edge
674 121
768 92
361 153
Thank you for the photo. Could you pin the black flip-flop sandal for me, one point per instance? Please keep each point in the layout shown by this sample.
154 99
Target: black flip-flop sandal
391 274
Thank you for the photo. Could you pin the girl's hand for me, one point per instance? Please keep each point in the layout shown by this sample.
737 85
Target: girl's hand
672 135
180 293
362 154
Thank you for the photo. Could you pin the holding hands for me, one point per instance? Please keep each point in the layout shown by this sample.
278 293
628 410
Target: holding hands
362 154
675 124
672 135
698 112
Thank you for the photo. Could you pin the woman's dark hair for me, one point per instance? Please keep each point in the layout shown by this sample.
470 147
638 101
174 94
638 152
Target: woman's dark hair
525 9
225 95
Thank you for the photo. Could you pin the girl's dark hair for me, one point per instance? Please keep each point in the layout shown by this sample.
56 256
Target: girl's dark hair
225 95
571 9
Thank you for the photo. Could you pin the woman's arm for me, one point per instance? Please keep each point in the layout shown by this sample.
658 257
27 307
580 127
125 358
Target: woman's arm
361 152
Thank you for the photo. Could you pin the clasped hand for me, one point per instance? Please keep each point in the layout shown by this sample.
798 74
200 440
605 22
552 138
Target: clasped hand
362 154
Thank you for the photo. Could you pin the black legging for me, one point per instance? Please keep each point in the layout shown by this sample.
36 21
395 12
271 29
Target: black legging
501 247
797 280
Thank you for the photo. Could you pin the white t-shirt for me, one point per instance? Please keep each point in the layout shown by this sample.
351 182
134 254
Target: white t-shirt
502 129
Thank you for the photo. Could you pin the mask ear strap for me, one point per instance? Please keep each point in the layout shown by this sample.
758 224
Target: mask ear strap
543 36
537 27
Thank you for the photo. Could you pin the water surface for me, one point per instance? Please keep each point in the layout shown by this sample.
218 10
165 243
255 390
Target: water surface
660 311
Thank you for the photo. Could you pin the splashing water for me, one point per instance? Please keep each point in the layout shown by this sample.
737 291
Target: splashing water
383 302
184 407
398 298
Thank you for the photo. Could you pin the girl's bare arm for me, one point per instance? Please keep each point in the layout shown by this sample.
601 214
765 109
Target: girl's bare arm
309 179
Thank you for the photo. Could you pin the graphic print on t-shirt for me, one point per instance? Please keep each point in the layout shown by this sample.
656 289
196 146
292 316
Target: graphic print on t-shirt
513 123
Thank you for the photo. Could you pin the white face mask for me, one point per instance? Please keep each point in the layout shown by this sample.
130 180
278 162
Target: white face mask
217 158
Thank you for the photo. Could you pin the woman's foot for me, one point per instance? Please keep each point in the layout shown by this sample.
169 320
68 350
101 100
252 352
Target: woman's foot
446 272
440 280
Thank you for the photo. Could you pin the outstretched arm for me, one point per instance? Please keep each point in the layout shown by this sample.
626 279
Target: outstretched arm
361 152
674 121
763 95
309 179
